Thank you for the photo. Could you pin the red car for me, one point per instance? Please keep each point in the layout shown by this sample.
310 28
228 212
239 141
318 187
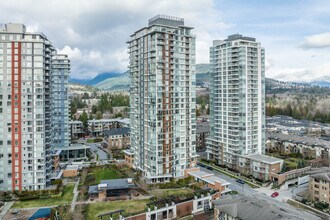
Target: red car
275 194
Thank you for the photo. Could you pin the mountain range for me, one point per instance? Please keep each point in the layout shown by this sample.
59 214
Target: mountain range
112 81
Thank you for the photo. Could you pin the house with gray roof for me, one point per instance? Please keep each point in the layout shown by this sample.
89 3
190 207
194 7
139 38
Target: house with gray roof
117 188
256 207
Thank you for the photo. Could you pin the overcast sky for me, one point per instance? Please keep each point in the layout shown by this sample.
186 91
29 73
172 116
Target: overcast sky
295 33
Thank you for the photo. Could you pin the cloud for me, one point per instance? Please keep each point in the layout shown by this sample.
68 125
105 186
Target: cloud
269 63
319 73
94 33
317 41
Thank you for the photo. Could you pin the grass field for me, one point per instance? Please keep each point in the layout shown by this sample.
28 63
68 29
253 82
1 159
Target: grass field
292 163
129 206
104 173
163 193
65 199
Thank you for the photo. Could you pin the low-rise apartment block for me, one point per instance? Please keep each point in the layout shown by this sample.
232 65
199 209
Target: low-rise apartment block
77 129
118 137
97 128
129 157
202 132
209 179
319 187
308 147
287 125
259 166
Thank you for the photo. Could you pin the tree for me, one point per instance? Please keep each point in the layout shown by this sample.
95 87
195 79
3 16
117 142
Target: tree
198 112
284 168
94 109
98 115
84 118
208 110
301 163
85 95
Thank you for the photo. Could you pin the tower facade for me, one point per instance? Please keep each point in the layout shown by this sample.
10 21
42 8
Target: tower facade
237 99
60 100
162 98
26 128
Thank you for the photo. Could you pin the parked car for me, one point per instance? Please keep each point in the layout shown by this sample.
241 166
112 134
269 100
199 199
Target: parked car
240 181
275 194
209 168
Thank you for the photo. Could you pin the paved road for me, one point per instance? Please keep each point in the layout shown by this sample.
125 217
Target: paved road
245 188
265 192
96 148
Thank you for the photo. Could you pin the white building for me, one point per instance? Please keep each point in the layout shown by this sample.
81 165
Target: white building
26 121
237 99
76 129
162 98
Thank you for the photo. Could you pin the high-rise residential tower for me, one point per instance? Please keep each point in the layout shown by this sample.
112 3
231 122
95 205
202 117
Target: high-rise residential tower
60 100
162 98
237 99
26 107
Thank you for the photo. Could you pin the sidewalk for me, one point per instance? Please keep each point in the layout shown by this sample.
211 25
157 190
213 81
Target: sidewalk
5 209
229 173
75 195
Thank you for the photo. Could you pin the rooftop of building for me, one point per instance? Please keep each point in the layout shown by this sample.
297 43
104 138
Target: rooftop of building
117 131
239 37
208 177
256 207
18 28
166 20
288 121
72 167
112 184
202 127
76 122
263 158
322 176
128 151
311 141
76 147
121 120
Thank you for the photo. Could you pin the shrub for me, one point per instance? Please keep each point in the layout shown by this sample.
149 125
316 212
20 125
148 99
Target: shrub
98 139
321 205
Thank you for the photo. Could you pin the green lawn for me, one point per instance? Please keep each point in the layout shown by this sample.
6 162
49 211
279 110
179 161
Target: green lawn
130 207
292 163
163 193
65 199
104 173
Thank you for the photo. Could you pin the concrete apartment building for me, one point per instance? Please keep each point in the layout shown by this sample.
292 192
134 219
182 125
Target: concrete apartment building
259 166
60 100
118 138
99 127
319 187
162 98
308 147
237 99
32 117
76 129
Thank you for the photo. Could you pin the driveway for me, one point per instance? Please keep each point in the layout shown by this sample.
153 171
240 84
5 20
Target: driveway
96 148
